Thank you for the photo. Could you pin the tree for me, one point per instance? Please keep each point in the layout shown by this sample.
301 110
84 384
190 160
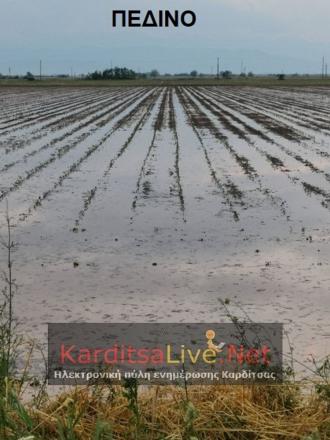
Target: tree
154 73
281 77
226 74
29 76
193 73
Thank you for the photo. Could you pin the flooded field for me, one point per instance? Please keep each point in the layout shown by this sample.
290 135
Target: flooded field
151 204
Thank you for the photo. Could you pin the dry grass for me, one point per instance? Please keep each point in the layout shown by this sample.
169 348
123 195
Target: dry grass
212 413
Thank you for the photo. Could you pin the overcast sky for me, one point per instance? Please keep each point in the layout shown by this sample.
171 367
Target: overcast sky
267 35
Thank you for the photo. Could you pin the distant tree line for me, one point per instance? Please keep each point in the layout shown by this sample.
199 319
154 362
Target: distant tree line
123 73
115 73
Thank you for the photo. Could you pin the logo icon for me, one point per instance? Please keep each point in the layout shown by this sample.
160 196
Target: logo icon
210 335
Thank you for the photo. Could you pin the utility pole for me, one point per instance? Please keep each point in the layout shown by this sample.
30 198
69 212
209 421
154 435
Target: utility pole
218 68
40 70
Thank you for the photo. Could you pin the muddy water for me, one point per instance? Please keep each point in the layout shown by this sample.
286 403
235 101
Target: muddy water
166 209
